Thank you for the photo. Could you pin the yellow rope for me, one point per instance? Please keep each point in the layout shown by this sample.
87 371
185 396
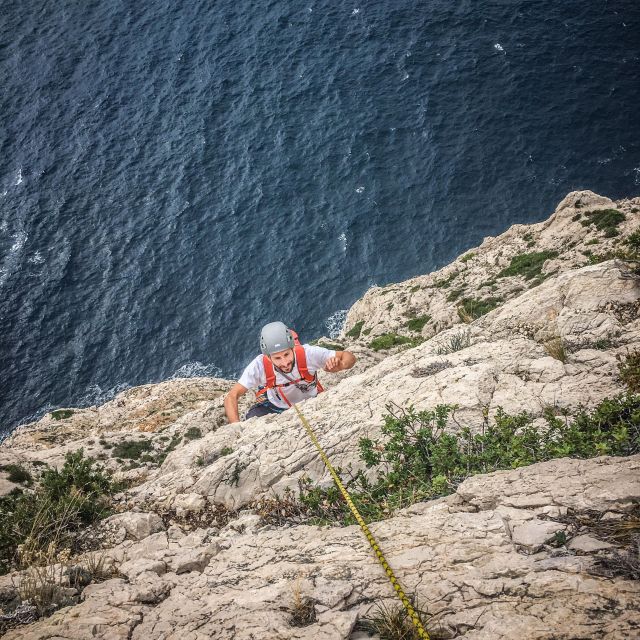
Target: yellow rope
372 541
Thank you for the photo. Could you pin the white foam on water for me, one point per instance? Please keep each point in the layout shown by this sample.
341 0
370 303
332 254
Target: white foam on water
19 178
360 189
95 395
197 370
335 323
355 12
636 170
343 241
19 240
498 47
36 258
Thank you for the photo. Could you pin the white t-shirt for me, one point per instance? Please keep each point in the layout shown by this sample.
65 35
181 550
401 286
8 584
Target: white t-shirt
254 376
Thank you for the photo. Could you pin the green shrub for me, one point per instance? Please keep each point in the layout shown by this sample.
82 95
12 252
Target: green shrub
131 449
606 220
331 346
467 257
17 474
417 324
388 340
193 433
454 294
633 242
441 284
65 501
61 414
354 332
418 459
470 309
528 265
630 371
416 287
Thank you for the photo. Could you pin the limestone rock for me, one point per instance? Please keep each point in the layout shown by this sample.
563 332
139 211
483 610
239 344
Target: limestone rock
137 525
588 544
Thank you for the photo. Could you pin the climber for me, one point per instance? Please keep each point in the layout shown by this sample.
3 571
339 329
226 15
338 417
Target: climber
285 373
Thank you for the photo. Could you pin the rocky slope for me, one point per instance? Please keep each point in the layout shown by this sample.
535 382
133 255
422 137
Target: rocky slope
534 319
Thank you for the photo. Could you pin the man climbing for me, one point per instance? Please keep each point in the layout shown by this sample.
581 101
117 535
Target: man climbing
286 373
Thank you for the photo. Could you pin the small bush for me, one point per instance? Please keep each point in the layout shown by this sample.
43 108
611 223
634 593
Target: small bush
633 242
418 459
355 331
331 346
467 257
630 371
61 414
454 294
457 342
416 287
193 433
130 449
606 220
446 282
417 324
470 309
388 340
17 474
528 265
65 501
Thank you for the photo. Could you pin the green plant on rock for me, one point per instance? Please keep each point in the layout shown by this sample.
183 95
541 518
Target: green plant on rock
354 332
417 324
470 309
467 257
388 341
528 265
446 282
131 449
61 414
16 473
630 371
606 220
418 459
65 501
193 433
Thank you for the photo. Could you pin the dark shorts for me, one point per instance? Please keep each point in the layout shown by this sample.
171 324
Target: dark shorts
263 408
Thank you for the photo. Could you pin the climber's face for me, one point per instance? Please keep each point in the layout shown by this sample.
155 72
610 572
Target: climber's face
283 360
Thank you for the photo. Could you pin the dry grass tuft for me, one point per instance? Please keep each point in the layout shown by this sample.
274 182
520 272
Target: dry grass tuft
392 622
302 611
555 347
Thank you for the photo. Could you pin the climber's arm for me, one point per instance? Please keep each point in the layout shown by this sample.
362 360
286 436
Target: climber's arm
231 402
341 361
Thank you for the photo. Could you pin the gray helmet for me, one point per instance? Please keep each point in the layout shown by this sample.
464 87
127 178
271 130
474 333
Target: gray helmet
275 337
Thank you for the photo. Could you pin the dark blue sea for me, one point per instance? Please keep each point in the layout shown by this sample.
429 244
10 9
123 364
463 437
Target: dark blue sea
173 175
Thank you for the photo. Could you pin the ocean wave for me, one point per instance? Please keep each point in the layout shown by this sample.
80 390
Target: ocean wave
335 323
197 370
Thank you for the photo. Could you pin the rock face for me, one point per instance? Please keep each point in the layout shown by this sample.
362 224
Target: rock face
501 558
